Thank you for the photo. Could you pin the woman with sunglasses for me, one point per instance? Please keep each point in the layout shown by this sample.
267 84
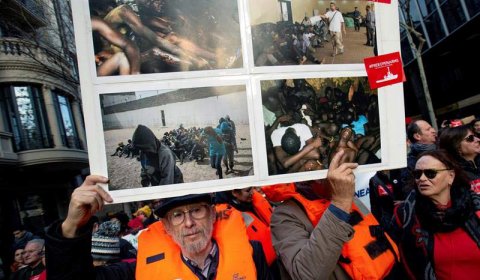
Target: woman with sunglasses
464 146
437 227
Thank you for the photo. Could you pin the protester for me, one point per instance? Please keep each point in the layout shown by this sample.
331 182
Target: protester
22 237
464 147
106 244
145 215
17 260
475 124
386 190
256 211
32 257
188 243
135 227
313 235
422 137
437 226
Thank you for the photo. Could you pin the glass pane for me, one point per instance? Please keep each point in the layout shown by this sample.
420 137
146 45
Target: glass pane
434 28
473 7
406 50
67 119
453 14
28 119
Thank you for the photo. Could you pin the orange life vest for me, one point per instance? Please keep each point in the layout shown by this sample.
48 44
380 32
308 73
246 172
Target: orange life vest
159 257
258 225
370 254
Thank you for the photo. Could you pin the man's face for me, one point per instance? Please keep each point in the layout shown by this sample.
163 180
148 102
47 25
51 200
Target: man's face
427 134
32 254
193 232
243 195
332 7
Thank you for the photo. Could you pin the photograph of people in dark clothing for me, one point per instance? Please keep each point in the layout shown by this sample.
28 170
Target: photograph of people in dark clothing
164 137
308 121
133 37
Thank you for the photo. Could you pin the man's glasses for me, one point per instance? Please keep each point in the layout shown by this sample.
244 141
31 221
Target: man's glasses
197 212
470 138
429 173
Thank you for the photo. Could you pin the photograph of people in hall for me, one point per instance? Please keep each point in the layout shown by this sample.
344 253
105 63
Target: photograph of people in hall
307 121
165 137
312 32
158 36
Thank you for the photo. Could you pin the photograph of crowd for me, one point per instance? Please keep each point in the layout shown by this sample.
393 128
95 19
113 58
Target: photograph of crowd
165 137
307 121
312 32
158 36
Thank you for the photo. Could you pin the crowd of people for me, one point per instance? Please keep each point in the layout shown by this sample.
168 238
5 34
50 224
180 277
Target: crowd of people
423 226
305 128
285 43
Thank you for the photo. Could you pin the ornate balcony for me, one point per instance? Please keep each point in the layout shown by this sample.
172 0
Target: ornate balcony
26 61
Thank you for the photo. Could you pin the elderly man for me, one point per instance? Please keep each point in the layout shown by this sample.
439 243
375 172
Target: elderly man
32 258
189 242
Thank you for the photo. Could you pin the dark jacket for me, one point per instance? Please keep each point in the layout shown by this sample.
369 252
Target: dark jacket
472 170
71 258
158 161
27 272
384 191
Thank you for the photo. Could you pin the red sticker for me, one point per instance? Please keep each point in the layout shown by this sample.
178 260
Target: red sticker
384 70
383 1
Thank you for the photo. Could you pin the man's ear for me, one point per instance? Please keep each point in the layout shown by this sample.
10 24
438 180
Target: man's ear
417 136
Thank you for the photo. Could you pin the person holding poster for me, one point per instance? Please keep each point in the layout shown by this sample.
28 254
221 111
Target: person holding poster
336 26
319 229
193 240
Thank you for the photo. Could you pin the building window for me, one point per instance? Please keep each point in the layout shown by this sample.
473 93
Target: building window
453 14
434 28
426 7
473 7
27 118
67 124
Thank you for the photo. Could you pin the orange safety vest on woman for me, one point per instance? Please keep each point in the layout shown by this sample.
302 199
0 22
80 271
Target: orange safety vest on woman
159 257
370 254
258 225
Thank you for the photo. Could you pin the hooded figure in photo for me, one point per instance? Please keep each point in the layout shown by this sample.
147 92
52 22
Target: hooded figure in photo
157 160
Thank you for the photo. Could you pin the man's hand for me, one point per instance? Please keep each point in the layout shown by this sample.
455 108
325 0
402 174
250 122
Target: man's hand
342 182
86 200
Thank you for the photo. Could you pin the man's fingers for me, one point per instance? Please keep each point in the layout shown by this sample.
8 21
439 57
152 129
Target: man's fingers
336 159
105 196
347 166
91 184
94 179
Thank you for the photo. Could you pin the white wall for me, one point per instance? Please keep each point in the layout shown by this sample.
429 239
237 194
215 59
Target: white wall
200 112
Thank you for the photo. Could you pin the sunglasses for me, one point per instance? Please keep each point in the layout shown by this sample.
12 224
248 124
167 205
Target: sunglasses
470 138
429 173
